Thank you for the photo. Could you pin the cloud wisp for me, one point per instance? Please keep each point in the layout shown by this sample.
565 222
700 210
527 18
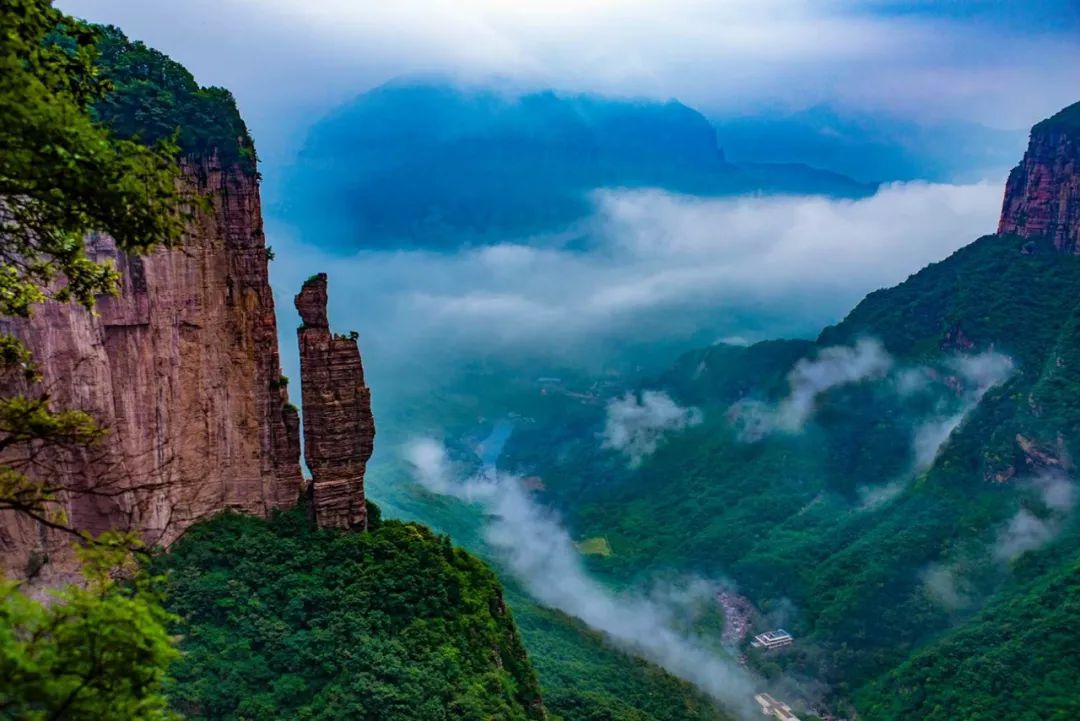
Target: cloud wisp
1035 525
532 544
978 374
810 378
1028 530
635 425
970 377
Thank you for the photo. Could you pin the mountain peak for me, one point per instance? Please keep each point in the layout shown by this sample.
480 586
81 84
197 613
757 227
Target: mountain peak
1042 196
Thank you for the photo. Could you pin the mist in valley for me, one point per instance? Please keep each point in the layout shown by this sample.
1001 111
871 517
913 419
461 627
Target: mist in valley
531 543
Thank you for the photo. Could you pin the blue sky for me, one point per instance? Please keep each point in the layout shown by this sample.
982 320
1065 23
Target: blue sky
1004 64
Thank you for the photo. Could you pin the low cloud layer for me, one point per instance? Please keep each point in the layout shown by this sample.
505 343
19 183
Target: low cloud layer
533 545
831 367
636 425
654 265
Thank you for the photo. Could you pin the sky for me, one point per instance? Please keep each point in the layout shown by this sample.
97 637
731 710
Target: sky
1005 64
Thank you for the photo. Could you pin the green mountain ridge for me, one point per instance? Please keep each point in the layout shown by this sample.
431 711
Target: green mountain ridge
281 620
786 516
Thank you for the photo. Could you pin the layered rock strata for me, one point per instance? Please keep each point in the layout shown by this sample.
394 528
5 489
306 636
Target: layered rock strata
339 430
1042 196
182 368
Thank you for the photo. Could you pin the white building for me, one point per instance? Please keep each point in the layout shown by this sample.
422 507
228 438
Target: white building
772 639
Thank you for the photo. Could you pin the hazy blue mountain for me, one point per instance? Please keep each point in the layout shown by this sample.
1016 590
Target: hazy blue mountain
872 147
430 164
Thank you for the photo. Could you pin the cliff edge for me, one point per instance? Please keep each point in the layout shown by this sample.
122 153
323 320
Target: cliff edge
182 368
1042 196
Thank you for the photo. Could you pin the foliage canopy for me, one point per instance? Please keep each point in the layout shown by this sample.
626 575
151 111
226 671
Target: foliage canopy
282 620
93 651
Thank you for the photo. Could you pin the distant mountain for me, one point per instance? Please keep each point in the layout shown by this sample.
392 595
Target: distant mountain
430 164
871 147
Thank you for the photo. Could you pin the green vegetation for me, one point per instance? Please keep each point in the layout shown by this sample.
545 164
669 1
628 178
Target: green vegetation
155 98
96 651
61 173
585 679
284 621
784 516
1067 120
1017 659
281 620
68 167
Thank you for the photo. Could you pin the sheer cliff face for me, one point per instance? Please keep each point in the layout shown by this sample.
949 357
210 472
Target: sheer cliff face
182 367
339 431
1042 197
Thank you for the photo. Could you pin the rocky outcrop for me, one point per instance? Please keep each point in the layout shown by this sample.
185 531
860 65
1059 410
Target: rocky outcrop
1042 196
182 367
339 430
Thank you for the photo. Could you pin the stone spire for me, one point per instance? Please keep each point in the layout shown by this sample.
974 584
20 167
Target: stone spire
339 430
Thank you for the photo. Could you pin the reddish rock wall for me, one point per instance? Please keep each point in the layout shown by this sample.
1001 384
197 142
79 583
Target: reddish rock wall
183 368
1042 196
339 430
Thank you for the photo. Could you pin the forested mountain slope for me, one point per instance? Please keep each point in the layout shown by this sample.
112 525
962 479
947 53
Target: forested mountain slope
899 491
281 620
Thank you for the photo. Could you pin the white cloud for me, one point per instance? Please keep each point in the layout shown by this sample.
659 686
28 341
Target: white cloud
1028 531
944 585
1024 532
656 266
636 426
831 367
978 373
533 545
